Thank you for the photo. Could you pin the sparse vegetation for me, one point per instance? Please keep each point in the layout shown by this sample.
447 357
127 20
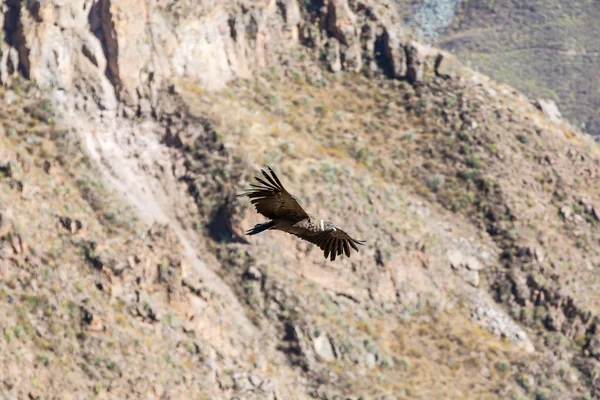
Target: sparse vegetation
420 171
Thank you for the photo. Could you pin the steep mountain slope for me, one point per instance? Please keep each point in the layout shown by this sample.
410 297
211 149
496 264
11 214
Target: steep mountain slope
481 216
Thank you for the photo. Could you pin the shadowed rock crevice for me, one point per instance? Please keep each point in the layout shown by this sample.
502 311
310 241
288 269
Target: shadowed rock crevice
383 55
207 168
331 24
220 226
102 26
231 21
34 10
14 37
314 7
291 346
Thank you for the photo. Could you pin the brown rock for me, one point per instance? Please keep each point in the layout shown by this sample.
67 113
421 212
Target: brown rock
555 319
323 348
471 277
333 56
341 21
448 66
538 253
473 264
566 212
549 108
394 50
91 321
415 62
71 225
418 57
18 245
6 251
455 258
5 224
458 260
49 167
594 345
253 273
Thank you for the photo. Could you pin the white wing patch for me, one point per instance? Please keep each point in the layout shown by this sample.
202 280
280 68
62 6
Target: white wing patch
322 226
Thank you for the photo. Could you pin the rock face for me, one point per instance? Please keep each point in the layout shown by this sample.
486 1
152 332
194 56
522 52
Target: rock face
111 51
116 55
323 348
549 108
480 213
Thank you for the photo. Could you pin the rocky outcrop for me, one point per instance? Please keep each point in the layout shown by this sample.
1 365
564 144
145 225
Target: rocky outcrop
549 108
111 51
122 51
115 55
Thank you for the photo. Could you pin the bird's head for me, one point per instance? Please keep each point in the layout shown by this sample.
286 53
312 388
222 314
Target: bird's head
329 226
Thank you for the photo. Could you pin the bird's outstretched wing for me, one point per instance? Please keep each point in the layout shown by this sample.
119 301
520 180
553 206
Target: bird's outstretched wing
332 242
272 200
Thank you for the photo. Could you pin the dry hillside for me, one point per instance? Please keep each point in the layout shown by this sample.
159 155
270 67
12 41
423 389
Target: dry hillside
124 271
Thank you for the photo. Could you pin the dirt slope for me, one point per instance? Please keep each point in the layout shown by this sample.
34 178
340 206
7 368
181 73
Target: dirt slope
124 272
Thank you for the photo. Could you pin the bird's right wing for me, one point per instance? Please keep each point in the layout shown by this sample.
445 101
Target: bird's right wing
272 200
332 242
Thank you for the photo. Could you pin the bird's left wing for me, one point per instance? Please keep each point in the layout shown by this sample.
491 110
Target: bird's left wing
332 242
272 200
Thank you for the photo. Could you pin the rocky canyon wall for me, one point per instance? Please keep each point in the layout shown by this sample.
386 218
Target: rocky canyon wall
114 55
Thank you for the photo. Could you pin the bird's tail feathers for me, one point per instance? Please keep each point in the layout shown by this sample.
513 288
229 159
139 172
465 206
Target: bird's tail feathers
260 227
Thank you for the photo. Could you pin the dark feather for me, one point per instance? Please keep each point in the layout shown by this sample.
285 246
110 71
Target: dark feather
327 246
346 248
271 181
272 200
275 177
260 228
333 243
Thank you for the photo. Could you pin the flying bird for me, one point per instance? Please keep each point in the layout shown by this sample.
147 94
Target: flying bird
285 213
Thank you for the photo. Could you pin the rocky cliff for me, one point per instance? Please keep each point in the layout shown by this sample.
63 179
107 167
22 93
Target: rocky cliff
127 130
116 55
